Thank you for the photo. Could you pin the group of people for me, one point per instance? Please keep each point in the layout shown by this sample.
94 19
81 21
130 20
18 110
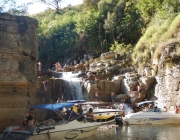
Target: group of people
58 66
76 112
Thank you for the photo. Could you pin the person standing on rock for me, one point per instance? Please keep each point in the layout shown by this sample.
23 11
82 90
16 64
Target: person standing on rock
96 96
112 96
45 83
56 66
59 67
139 89
39 66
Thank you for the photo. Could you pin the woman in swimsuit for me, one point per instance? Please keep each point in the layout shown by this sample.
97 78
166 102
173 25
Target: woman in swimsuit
28 119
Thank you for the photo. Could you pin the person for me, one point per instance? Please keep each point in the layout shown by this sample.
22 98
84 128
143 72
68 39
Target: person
39 66
90 115
45 84
166 109
146 108
56 66
112 96
80 110
65 65
59 67
58 100
121 106
28 119
80 116
155 109
177 111
96 96
75 63
139 88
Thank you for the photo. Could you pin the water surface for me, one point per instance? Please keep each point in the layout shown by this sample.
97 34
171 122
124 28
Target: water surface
139 132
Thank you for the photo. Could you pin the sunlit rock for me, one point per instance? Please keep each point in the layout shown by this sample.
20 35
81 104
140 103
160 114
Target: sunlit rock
107 55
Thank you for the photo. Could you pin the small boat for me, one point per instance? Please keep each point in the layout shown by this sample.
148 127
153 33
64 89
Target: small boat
103 114
102 111
152 116
51 129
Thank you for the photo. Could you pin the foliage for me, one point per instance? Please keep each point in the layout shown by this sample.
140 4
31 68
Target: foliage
163 25
52 3
97 26
10 6
120 47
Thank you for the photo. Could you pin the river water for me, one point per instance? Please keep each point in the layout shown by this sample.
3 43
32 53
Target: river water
138 132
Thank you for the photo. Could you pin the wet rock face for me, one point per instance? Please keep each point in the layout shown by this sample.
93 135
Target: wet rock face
18 49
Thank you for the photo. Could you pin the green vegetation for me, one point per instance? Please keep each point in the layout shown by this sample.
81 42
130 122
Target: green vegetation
142 27
161 30
91 28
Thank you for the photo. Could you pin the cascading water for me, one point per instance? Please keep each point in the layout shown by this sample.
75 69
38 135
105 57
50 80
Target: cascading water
72 86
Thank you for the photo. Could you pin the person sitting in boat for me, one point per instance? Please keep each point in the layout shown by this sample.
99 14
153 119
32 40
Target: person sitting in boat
28 119
177 111
80 116
90 115
166 109
155 109
146 108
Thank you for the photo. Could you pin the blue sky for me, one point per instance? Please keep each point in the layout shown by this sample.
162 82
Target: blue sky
38 7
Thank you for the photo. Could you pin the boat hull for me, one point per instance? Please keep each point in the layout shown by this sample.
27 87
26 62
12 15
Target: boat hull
106 115
71 130
152 118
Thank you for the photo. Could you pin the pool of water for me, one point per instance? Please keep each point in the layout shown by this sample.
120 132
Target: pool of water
139 132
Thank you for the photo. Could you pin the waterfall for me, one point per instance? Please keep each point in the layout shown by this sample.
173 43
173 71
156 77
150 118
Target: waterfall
72 86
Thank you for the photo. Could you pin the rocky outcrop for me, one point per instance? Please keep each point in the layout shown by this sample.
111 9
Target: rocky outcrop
168 77
18 49
18 68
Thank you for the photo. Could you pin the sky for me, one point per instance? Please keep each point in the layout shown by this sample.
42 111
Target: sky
39 7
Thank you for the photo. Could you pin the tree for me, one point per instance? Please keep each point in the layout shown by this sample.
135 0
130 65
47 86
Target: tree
90 3
9 6
110 23
5 4
54 3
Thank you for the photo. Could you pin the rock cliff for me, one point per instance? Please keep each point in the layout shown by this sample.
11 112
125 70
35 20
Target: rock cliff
18 67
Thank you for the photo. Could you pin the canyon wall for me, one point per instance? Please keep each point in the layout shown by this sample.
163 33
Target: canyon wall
18 68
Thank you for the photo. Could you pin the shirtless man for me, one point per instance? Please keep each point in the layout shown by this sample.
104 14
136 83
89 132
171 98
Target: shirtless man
59 67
